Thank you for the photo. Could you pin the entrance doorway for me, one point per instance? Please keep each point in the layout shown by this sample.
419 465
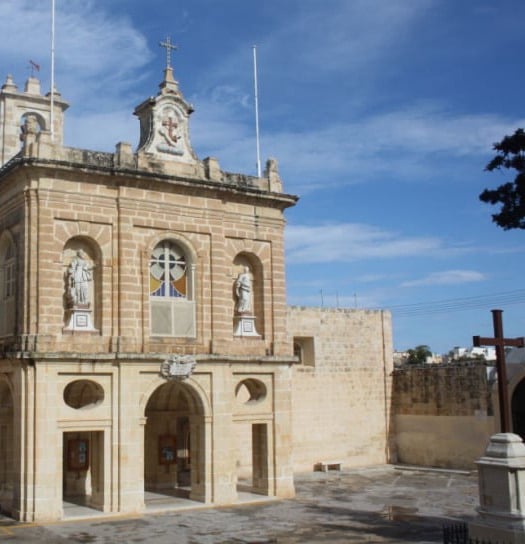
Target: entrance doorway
518 409
7 457
173 444
83 472
252 476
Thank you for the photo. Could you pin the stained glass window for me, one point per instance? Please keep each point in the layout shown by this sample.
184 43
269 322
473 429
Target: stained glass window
168 272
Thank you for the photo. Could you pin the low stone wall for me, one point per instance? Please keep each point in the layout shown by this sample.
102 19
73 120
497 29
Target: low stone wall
444 415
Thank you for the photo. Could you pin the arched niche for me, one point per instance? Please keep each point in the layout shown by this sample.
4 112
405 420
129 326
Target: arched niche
31 124
82 273
248 264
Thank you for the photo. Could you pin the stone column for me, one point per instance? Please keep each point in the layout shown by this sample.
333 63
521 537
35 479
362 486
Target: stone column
501 491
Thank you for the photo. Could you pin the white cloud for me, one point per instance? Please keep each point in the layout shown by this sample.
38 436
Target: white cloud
99 55
407 144
447 277
346 242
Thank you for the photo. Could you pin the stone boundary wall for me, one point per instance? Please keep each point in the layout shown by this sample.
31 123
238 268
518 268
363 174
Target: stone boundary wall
341 396
443 415
443 390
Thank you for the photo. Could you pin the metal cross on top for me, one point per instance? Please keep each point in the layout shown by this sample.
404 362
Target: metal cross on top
500 342
169 47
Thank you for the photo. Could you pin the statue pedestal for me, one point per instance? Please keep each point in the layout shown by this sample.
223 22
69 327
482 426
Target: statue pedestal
245 326
80 319
501 491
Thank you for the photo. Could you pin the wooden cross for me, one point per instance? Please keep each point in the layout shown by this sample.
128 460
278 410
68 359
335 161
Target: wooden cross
169 47
500 342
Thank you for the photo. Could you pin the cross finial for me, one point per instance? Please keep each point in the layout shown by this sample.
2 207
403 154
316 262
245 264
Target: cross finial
169 47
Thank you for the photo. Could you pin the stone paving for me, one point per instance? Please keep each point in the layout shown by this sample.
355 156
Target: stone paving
375 505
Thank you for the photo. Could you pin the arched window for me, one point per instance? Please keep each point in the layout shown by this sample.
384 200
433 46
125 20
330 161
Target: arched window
168 277
7 288
171 291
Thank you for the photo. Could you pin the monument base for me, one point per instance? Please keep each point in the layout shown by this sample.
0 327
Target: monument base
80 320
245 326
501 491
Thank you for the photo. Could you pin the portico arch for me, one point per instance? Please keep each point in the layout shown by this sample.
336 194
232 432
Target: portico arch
175 442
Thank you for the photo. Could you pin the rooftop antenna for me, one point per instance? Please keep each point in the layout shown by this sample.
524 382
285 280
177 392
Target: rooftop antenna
52 114
256 111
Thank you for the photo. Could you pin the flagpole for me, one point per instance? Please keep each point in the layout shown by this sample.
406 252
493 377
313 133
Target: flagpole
256 111
52 116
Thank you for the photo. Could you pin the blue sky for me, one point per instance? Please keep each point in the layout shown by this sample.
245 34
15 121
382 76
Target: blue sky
381 113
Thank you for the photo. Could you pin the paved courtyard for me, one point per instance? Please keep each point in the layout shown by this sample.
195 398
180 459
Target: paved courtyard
379 504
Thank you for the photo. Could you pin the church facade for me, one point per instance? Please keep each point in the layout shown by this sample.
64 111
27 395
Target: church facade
146 345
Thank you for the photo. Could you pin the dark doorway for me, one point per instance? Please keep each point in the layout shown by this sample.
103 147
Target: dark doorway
518 409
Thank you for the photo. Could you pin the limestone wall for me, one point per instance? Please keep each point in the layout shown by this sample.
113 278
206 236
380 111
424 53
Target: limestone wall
443 415
341 392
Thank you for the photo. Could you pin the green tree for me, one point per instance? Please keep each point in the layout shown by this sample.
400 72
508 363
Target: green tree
418 355
511 195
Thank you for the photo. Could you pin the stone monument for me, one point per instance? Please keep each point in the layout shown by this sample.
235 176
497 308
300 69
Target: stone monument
502 469
501 491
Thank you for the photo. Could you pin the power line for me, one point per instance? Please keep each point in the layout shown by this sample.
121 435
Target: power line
506 298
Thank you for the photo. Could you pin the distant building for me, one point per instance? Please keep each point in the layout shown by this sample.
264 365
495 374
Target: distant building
401 357
459 353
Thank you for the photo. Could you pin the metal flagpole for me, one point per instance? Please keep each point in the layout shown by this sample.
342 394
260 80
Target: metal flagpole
52 115
256 111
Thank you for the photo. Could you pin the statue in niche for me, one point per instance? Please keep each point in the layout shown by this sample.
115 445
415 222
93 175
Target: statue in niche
243 291
79 273
30 126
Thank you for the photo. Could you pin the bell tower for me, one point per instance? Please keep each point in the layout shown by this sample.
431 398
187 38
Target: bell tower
164 132
27 111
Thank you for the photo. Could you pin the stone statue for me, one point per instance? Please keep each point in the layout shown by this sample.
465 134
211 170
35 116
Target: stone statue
79 276
30 126
243 291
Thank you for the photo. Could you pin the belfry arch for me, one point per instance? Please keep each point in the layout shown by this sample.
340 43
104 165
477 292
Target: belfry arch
174 442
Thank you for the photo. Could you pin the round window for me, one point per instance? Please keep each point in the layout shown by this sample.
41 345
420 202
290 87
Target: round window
250 391
83 394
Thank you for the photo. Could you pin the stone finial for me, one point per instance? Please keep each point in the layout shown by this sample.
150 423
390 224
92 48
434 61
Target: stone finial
124 154
212 169
32 85
169 84
271 172
272 168
9 84
56 94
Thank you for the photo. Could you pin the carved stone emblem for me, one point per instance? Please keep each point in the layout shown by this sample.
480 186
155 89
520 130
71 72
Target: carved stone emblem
170 130
178 367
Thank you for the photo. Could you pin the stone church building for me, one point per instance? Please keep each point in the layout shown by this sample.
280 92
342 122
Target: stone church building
146 345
